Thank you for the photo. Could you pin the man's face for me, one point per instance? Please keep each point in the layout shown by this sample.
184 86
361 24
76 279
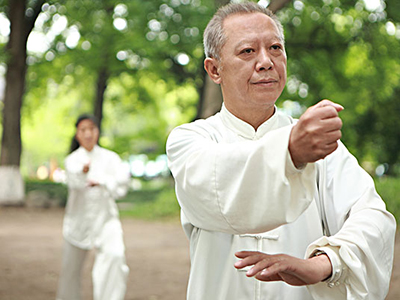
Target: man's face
252 68
87 134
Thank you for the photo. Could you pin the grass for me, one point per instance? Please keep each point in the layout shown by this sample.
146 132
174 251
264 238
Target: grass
151 203
389 188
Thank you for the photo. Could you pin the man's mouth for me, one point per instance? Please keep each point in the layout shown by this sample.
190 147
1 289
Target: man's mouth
268 81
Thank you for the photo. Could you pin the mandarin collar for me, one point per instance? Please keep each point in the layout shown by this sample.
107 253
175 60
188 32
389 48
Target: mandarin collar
244 129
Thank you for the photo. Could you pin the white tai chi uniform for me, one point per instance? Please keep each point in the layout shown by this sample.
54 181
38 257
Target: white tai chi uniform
239 190
92 221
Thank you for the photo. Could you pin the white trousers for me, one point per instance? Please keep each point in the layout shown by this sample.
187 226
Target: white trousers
109 273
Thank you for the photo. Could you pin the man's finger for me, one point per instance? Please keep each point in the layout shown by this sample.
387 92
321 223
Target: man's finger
243 254
248 261
326 102
332 123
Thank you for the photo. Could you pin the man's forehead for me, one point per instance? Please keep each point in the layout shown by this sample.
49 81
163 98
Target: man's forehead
248 25
245 18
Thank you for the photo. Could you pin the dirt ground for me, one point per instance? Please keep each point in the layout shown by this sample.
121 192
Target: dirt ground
157 254
31 249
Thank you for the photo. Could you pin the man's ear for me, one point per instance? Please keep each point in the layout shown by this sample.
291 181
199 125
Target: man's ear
212 67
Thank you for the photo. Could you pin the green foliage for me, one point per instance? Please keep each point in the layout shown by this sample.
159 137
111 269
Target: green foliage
148 92
132 126
388 188
337 50
343 52
47 137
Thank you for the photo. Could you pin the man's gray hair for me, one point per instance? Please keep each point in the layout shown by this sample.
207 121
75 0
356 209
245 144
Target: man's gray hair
214 37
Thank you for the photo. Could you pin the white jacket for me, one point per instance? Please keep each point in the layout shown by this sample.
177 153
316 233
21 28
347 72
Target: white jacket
89 208
239 190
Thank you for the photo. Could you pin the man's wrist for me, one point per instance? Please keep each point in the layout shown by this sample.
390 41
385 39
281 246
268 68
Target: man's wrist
327 275
338 269
326 265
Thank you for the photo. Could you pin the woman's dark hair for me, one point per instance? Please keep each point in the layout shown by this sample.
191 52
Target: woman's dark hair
74 142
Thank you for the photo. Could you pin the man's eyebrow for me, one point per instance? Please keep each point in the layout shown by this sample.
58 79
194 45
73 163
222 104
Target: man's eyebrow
278 38
245 41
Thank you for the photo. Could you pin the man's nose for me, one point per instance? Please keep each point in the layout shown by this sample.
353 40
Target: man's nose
264 61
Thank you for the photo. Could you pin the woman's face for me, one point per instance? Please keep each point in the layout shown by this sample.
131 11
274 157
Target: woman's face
87 134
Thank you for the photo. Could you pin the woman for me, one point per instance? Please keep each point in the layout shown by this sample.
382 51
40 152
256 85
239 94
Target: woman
95 178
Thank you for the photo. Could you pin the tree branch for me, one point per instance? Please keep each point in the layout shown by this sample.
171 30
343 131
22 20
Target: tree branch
30 20
276 5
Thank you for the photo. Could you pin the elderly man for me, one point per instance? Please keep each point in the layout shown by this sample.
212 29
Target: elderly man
287 192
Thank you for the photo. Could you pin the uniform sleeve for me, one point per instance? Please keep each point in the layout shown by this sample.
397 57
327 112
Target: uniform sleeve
116 177
240 187
76 179
361 232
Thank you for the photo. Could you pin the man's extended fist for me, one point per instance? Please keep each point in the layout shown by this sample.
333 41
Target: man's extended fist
316 134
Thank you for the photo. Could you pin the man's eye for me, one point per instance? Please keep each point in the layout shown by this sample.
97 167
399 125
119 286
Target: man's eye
248 50
276 47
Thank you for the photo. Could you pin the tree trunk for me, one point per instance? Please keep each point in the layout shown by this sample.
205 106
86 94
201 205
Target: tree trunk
211 97
15 84
101 86
103 71
11 190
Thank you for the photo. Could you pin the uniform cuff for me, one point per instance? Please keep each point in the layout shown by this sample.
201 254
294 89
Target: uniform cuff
338 269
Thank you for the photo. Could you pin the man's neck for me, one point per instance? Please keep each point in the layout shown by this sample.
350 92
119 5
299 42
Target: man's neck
254 117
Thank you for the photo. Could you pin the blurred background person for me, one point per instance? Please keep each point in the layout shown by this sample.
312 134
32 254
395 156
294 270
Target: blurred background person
95 178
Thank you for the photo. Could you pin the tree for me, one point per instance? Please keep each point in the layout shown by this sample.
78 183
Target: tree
22 18
210 100
148 74
151 42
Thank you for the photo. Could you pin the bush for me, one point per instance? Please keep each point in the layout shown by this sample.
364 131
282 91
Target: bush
55 191
155 201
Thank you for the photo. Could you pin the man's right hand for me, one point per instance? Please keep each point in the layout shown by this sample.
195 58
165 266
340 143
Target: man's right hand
316 134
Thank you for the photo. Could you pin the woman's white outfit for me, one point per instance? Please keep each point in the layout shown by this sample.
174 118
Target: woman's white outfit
92 222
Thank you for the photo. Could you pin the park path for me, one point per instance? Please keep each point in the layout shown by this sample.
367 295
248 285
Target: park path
31 249
157 254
